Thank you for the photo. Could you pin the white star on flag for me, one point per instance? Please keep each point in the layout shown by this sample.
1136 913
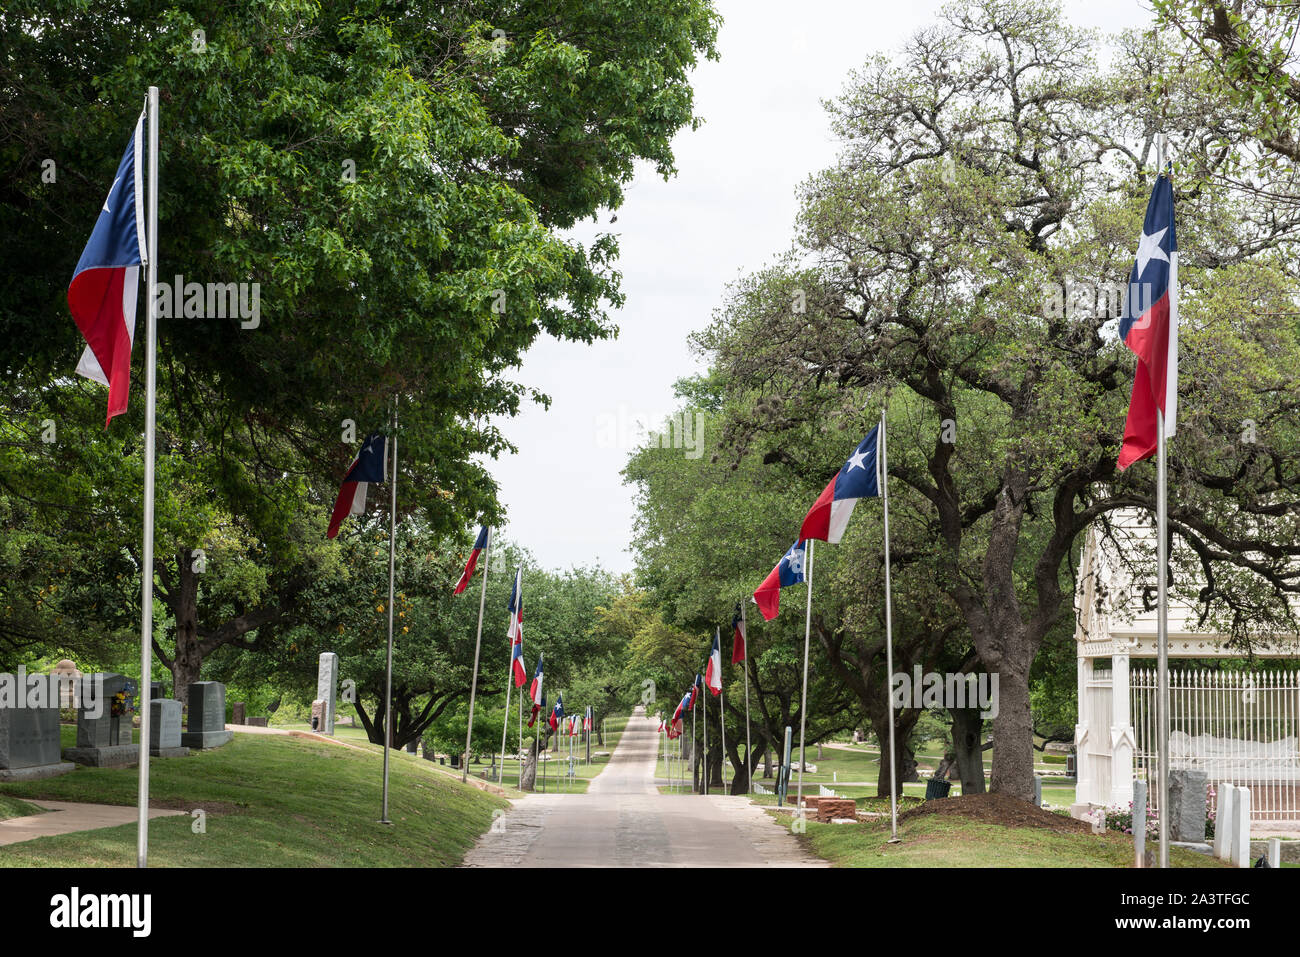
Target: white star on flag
855 460
1149 249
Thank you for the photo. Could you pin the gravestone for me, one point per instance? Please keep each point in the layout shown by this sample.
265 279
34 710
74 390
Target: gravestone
327 688
1240 852
239 713
259 722
1187 805
165 729
207 718
104 737
29 744
1223 820
156 691
1038 790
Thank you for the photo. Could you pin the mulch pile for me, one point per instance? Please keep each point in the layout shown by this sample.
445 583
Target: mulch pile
999 809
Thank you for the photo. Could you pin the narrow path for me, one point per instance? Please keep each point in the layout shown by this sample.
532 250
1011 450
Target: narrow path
623 821
66 817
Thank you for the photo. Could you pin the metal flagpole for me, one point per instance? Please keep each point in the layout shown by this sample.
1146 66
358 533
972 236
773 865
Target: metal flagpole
506 726
1162 619
882 483
705 722
146 555
803 706
392 566
749 771
722 709
695 754
519 755
478 643
722 723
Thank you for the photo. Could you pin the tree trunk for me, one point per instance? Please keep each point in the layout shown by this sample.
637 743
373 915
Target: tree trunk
767 762
968 748
904 758
1013 754
528 777
187 660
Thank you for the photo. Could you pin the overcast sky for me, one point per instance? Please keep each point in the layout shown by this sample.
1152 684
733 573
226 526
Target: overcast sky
728 211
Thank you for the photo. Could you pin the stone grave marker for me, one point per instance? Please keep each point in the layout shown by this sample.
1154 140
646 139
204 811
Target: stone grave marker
165 729
29 744
207 718
239 712
1223 820
104 735
327 689
1240 853
1187 805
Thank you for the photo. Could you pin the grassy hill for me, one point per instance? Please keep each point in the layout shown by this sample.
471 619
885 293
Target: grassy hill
270 801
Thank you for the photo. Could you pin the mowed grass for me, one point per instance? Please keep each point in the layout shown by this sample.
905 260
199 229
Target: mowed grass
555 779
951 841
270 801
12 807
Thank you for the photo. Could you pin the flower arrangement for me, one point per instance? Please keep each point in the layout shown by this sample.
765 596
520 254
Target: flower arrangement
124 701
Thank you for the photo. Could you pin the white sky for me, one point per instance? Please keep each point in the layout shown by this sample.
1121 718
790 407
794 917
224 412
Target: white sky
729 211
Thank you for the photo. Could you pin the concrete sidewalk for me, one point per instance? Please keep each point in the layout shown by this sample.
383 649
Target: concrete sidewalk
67 817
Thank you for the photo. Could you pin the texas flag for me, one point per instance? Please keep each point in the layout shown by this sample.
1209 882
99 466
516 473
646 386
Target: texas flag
370 465
788 571
859 478
675 725
586 720
739 645
480 545
535 692
573 726
695 690
713 670
516 630
1149 327
103 290
557 713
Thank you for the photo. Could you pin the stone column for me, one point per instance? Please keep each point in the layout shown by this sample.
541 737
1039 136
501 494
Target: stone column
327 687
1121 735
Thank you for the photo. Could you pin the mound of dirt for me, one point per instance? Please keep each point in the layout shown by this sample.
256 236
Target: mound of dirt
999 809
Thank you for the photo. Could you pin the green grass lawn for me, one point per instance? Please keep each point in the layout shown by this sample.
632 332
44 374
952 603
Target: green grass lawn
12 807
270 801
950 841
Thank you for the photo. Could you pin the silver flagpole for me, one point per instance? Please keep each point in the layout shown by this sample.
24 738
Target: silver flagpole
803 705
392 567
749 771
1162 636
722 709
882 481
704 721
695 755
510 680
1162 619
478 643
146 556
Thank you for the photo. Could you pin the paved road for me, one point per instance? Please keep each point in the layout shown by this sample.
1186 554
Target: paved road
623 821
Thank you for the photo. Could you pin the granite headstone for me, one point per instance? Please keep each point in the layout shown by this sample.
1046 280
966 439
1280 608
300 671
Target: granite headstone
206 727
165 729
104 727
29 744
1187 790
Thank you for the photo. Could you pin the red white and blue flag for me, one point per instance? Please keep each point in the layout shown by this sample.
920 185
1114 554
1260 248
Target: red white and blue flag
104 287
1149 327
573 726
535 692
859 478
788 571
586 719
557 713
370 465
713 670
480 545
675 725
516 630
739 643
